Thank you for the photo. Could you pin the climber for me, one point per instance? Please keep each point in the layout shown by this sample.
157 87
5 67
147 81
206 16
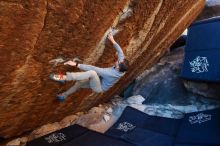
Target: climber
98 79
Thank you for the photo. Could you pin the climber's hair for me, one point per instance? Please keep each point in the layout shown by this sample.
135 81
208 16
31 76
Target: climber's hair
124 65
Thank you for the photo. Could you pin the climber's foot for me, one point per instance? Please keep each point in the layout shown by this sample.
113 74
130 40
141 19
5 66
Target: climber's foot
58 77
60 97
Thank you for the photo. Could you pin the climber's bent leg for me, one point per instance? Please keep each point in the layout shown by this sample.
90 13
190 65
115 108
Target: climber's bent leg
94 80
75 87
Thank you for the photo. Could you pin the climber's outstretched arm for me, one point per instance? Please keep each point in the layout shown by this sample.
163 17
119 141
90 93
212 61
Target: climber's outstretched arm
85 67
117 47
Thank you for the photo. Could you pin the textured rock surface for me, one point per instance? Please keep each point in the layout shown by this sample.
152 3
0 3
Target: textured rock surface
18 142
209 90
209 11
167 105
164 91
46 129
161 85
34 32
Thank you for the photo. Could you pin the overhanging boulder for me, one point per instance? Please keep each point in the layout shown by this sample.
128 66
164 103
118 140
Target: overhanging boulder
32 33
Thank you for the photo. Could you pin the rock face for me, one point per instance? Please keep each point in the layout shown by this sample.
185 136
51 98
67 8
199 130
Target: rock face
34 32
209 90
209 11
162 84
166 94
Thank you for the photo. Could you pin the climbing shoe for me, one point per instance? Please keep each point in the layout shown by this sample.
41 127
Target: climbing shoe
58 78
60 97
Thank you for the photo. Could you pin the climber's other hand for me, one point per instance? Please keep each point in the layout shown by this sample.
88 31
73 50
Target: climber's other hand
71 63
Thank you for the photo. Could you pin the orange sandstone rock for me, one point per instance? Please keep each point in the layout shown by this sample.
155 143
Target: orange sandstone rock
34 32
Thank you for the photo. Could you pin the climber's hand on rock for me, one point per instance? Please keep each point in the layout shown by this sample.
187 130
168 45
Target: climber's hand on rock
111 38
71 63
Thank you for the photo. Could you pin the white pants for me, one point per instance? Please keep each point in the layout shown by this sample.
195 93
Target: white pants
88 79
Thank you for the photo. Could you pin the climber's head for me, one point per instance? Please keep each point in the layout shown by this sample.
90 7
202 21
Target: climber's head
122 66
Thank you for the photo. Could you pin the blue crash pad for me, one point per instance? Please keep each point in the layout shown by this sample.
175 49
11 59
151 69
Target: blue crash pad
92 138
77 136
202 52
143 137
194 145
132 118
59 137
200 128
